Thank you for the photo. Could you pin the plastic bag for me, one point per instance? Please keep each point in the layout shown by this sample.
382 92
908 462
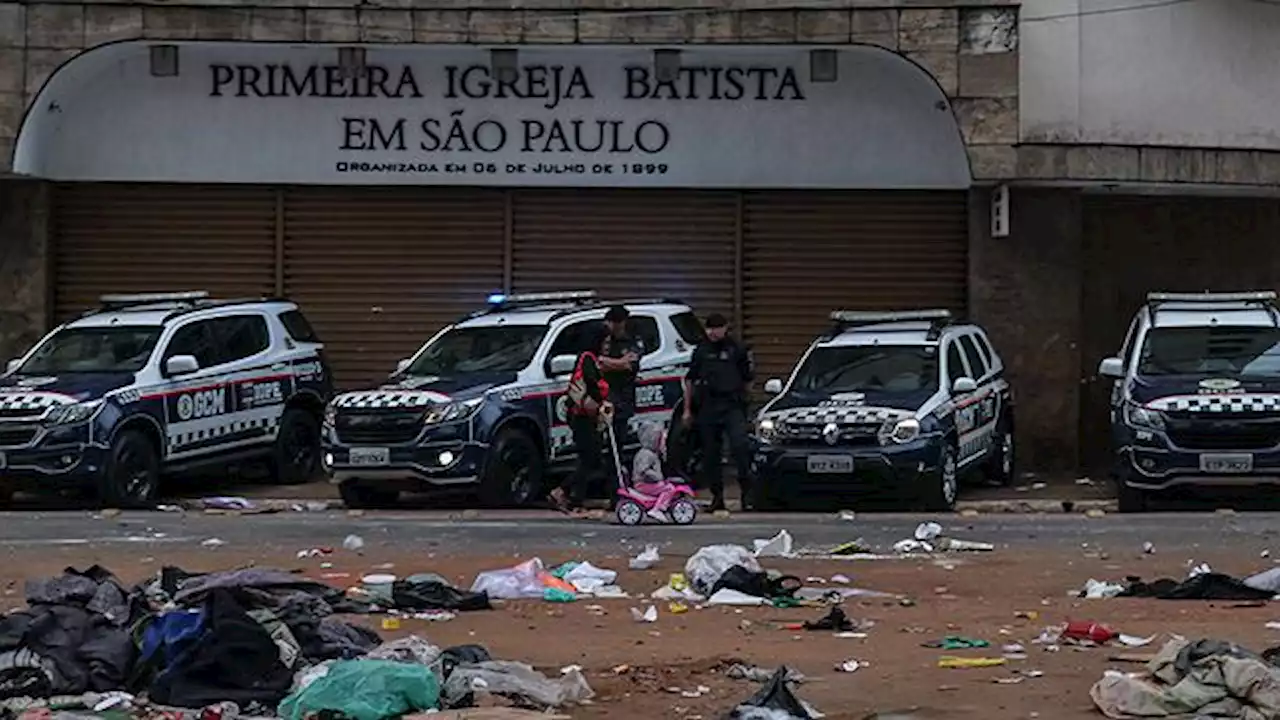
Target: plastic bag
366 690
774 701
521 581
587 578
411 649
709 563
516 681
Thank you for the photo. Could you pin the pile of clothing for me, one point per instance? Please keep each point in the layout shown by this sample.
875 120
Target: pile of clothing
1204 678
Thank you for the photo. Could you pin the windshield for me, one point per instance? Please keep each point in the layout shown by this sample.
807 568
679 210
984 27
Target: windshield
494 349
1212 351
883 368
93 350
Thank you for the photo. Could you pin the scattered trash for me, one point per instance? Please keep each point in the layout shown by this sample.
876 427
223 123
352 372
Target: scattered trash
834 621
515 681
751 673
735 597
214 542
677 608
314 552
1090 631
907 547
708 564
226 503
647 559
353 543
780 545
927 531
956 642
849 666
774 701
1148 548
649 615
956 545
848 515
960 663
841 579
1099 590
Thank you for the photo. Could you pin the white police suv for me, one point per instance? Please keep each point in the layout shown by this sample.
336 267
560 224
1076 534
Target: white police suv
482 403
901 404
156 384
1196 394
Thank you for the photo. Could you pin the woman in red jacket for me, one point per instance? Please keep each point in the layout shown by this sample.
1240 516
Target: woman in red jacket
588 404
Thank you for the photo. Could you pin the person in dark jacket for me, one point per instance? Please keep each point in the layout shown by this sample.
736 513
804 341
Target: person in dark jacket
588 406
720 374
620 364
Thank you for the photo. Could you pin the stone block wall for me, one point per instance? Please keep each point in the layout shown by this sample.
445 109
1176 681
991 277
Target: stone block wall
24 220
970 48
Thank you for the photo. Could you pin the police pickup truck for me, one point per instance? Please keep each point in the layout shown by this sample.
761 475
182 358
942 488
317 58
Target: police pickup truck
155 384
901 404
1195 399
482 403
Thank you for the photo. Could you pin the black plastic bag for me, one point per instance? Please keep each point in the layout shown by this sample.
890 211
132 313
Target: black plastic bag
435 595
757 584
774 695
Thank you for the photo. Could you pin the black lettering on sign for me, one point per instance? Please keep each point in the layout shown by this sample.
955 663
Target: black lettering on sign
200 404
319 81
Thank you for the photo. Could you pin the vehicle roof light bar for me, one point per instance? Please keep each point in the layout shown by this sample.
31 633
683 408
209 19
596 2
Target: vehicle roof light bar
851 317
541 297
1209 297
124 300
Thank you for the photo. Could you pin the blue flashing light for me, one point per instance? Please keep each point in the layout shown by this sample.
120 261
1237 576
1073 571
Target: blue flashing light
497 299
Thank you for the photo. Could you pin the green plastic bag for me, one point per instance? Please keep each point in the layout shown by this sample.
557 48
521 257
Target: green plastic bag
366 690
556 595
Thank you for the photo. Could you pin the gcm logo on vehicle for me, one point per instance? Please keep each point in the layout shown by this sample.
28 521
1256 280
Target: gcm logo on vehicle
202 404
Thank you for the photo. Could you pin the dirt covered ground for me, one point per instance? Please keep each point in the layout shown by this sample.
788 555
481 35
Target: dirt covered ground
640 670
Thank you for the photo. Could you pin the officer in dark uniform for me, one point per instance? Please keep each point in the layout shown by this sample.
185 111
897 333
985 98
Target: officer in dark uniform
720 373
620 363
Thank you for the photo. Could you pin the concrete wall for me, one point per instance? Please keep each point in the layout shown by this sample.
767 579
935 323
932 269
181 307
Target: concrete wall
24 264
1123 91
971 50
1025 290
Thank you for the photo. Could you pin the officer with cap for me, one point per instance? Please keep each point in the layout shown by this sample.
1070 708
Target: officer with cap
620 363
720 373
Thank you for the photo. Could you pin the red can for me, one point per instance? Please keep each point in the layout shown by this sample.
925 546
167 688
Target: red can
1086 630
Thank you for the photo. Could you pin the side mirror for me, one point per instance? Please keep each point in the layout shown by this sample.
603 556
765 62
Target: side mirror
13 366
963 385
563 364
403 365
773 386
1111 368
180 365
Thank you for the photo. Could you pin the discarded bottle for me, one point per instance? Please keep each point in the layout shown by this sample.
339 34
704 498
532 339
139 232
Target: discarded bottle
1091 631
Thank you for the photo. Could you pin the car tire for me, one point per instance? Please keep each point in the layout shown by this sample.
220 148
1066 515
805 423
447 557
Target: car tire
359 495
514 471
295 459
1002 466
1130 499
942 487
131 478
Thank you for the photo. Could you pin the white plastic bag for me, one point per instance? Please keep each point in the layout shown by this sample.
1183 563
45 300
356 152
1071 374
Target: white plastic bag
516 680
709 563
780 545
646 559
511 583
588 578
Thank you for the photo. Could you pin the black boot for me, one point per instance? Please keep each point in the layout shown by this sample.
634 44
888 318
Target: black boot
717 503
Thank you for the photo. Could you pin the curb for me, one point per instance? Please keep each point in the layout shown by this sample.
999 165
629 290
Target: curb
963 507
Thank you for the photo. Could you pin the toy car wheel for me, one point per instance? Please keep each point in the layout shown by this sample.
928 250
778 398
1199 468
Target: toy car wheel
131 478
629 512
297 454
360 496
684 511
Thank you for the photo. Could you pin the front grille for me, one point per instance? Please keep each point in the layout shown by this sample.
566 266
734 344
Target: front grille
1225 434
13 413
856 435
17 436
385 428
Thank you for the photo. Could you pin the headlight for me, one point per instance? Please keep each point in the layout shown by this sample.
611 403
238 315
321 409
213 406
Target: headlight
72 414
766 429
453 411
901 432
1138 416
330 415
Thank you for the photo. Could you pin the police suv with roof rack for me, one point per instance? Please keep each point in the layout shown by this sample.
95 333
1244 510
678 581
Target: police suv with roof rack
159 383
1196 394
482 403
895 403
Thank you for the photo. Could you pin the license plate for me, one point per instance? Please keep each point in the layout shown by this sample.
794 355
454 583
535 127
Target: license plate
822 464
368 457
1235 463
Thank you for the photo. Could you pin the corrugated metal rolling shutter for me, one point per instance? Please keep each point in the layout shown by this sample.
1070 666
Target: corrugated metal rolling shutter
379 270
112 238
808 253
627 243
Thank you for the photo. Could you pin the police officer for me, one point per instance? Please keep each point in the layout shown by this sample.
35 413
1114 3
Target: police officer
719 375
620 363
